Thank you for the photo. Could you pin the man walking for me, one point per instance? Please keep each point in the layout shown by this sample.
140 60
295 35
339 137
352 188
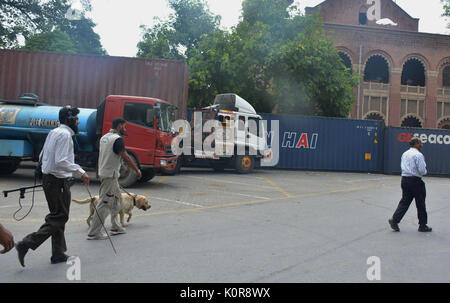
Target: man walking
413 168
58 166
112 150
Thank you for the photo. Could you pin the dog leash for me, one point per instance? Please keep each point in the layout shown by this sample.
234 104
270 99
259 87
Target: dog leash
134 197
95 209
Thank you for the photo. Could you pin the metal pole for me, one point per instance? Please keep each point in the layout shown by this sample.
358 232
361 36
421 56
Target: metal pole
359 85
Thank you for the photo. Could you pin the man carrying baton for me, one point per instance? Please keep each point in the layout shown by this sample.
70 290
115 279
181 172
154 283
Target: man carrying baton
58 165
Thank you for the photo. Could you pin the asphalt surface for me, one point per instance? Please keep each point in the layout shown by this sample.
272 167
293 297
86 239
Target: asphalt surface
270 226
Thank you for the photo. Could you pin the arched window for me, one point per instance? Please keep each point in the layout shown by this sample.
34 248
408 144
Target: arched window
346 60
446 77
377 70
413 73
411 121
375 116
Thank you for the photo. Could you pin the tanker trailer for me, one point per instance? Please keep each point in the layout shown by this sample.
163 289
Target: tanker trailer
25 123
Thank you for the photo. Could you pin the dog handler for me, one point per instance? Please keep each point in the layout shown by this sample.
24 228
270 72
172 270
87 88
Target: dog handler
112 150
58 165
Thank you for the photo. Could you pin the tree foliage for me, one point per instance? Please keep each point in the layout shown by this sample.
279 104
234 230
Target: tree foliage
176 37
77 36
38 21
82 34
55 41
275 58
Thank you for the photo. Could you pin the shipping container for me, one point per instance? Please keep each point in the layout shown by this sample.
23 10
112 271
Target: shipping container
436 149
85 80
332 144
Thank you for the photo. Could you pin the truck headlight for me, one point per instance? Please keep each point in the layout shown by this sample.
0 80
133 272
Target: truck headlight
163 162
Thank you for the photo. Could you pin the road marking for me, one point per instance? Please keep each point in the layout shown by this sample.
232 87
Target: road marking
254 202
179 202
288 195
231 182
168 212
238 194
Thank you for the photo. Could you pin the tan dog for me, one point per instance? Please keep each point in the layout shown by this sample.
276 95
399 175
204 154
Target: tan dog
128 203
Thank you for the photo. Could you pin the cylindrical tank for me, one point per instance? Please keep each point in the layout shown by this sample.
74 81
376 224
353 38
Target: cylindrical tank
33 123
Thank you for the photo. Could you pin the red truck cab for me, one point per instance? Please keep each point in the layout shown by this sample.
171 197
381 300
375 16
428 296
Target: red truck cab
149 129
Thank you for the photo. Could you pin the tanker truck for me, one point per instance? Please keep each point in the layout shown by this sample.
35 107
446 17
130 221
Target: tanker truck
25 123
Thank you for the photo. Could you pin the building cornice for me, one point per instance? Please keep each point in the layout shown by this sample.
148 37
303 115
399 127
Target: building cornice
390 31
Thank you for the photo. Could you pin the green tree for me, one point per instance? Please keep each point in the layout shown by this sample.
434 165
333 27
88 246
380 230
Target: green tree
158 42
39 20
177 36
29 17
82 34
276 59
214 68
76 36
55 41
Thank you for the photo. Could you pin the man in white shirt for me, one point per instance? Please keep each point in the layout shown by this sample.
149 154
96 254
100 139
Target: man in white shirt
58 165
413 168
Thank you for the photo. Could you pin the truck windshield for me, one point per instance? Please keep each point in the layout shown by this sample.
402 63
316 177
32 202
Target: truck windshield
166 117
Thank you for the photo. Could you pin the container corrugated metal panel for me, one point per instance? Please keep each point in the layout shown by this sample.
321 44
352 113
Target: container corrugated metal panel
318 143
436 149
85 80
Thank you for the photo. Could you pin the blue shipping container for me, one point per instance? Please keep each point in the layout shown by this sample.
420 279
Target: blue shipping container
319 143
436 149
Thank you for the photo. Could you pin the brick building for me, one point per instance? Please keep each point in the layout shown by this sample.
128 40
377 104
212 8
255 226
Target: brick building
406 73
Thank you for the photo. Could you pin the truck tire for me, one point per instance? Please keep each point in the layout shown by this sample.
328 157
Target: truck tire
245 164
128 176
9 166
147 175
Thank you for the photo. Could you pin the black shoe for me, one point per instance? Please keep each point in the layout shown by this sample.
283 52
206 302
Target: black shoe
59 259
22 250
424 228
394 225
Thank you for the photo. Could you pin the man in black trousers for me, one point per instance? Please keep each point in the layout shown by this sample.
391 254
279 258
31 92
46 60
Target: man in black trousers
58 165
413 168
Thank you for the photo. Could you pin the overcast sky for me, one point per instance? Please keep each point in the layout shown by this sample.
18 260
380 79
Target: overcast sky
118 21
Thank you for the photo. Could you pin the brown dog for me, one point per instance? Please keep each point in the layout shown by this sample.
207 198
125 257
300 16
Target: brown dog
128 203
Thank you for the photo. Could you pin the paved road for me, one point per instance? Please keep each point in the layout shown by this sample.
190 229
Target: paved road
270 226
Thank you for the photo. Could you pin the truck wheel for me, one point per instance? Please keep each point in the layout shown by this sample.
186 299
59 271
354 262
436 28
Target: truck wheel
128 176
245 164
9 167
173 169
147 175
